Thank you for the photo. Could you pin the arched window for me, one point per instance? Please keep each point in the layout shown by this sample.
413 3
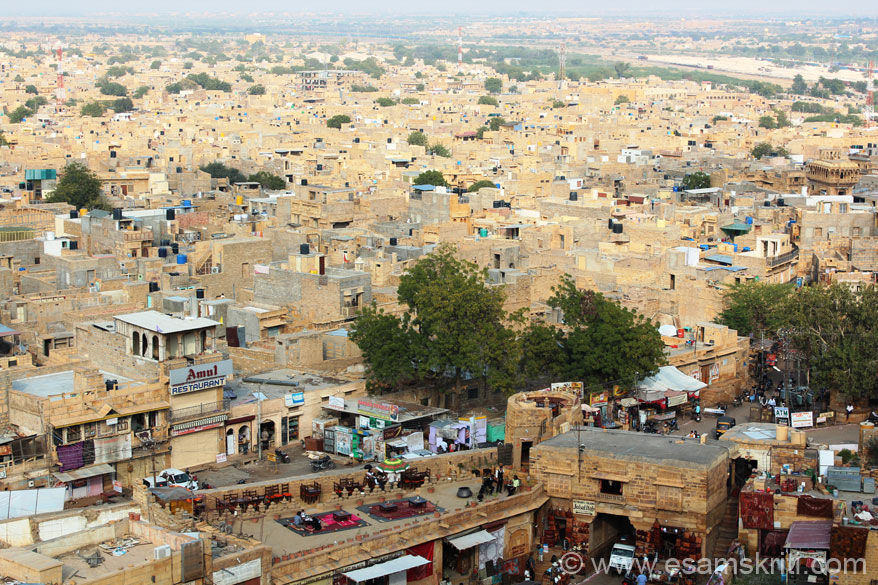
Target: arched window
135 343
144 343
155 347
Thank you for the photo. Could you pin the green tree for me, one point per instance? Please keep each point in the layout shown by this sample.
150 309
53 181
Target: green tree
34 103
493 85
836 329
782 120
155 65
388 346
481 185
419 87
80 187
246 77
256 90
113 88
187 65
140 92
357 88
19 79
696 180
218 170
268 181
434 178
385 102
480 132
719 119
410 101
558 104
417 138
122 105
495 123
337 120
19 114
799 86
604 342
31 89
622 69
765 149
487 100
767 122
621 99
752 307
439 150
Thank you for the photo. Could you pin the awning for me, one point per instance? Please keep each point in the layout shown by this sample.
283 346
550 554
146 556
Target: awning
397 443
471 540
403 563
84 472
668 378
628 402
809 535
609 476
200 422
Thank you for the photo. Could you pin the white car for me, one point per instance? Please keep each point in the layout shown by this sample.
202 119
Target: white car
621 557
171 477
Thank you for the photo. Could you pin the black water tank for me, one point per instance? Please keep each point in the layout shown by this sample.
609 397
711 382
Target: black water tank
781 203
165 243
175 248
319 167
305 182
117 213
153 286
357 140
111 384
574 196
163 252
610 223
170 214
617 228
199 293
74 214
767 204
74 245
304 249
393 241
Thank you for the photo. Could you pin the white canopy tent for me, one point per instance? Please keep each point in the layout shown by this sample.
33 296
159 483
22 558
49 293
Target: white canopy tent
668 378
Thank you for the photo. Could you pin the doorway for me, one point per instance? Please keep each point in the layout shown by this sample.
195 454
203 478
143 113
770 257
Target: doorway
606 530
525 455
230 442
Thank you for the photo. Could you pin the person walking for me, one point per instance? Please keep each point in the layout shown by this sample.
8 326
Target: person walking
848 410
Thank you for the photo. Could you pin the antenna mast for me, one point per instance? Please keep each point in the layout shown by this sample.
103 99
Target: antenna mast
459 48
60 92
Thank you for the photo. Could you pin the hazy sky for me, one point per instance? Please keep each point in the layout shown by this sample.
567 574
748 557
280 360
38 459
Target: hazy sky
838 8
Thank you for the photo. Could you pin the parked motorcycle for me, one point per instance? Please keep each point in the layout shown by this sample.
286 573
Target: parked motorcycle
649 427
282 456
671 426
322 463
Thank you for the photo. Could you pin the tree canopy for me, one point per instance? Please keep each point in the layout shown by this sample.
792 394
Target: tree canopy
417 138
385 102
765 149
337 120
752 307
268 181
493 85
439 150
93 109
19 114
218 170
257 89
696 180
487 100
481 185
80 187
434 178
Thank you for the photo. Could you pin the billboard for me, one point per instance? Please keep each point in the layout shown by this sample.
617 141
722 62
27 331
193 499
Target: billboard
200 377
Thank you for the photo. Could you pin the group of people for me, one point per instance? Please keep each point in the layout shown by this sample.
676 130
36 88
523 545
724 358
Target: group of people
494 482
302 520
693 434
442 446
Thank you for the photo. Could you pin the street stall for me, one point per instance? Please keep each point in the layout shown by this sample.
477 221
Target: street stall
448 435
807 549
670 393
392 572
461 554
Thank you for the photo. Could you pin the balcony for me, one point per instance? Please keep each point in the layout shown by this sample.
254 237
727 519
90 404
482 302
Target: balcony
772 261
179 414
611 498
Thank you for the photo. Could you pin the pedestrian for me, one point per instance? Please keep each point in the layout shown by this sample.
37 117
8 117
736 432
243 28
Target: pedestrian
540 552
848 410
641 579
498 479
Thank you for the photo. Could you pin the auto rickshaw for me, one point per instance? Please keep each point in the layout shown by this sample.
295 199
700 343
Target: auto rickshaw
723 424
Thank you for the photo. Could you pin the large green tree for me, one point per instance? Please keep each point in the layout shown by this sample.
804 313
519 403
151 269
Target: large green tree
417 138
218 170
454 327
434 178
269 181
80 187
494 85
604 342
696 180
337 120
756 308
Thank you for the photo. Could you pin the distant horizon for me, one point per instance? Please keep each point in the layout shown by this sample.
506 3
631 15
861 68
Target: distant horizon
746 9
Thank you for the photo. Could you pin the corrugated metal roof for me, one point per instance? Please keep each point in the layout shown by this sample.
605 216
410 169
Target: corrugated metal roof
403 563
721 258
809 535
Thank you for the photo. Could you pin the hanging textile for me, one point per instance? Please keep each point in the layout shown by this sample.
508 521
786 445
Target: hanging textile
757 510
847 542
772 543
424 551
70 456
491 551
88 452
819 507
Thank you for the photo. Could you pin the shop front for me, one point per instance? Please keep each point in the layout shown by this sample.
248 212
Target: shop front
393 572
461 554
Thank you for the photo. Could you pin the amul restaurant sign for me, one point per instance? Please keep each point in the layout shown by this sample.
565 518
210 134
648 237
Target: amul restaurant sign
200 377
382 410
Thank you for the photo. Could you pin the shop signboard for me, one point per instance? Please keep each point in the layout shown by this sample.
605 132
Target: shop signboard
382 410
574 387
294 399
199 377
336 402
583 507
801 420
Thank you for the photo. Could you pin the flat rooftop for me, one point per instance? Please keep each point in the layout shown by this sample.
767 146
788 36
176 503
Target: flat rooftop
161 323
640 447
278 383
54 384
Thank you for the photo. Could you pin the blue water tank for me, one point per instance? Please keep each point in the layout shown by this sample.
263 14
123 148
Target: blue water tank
746 249
704 247
483 232
181 258
187 203
749 220
735 247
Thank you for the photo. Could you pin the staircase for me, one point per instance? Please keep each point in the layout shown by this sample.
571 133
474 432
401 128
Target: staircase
728 528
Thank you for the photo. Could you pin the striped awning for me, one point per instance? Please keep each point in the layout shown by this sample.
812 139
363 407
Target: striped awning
201 422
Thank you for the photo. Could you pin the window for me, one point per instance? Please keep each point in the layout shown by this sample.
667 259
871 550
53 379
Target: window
611 487
74 434
89 430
